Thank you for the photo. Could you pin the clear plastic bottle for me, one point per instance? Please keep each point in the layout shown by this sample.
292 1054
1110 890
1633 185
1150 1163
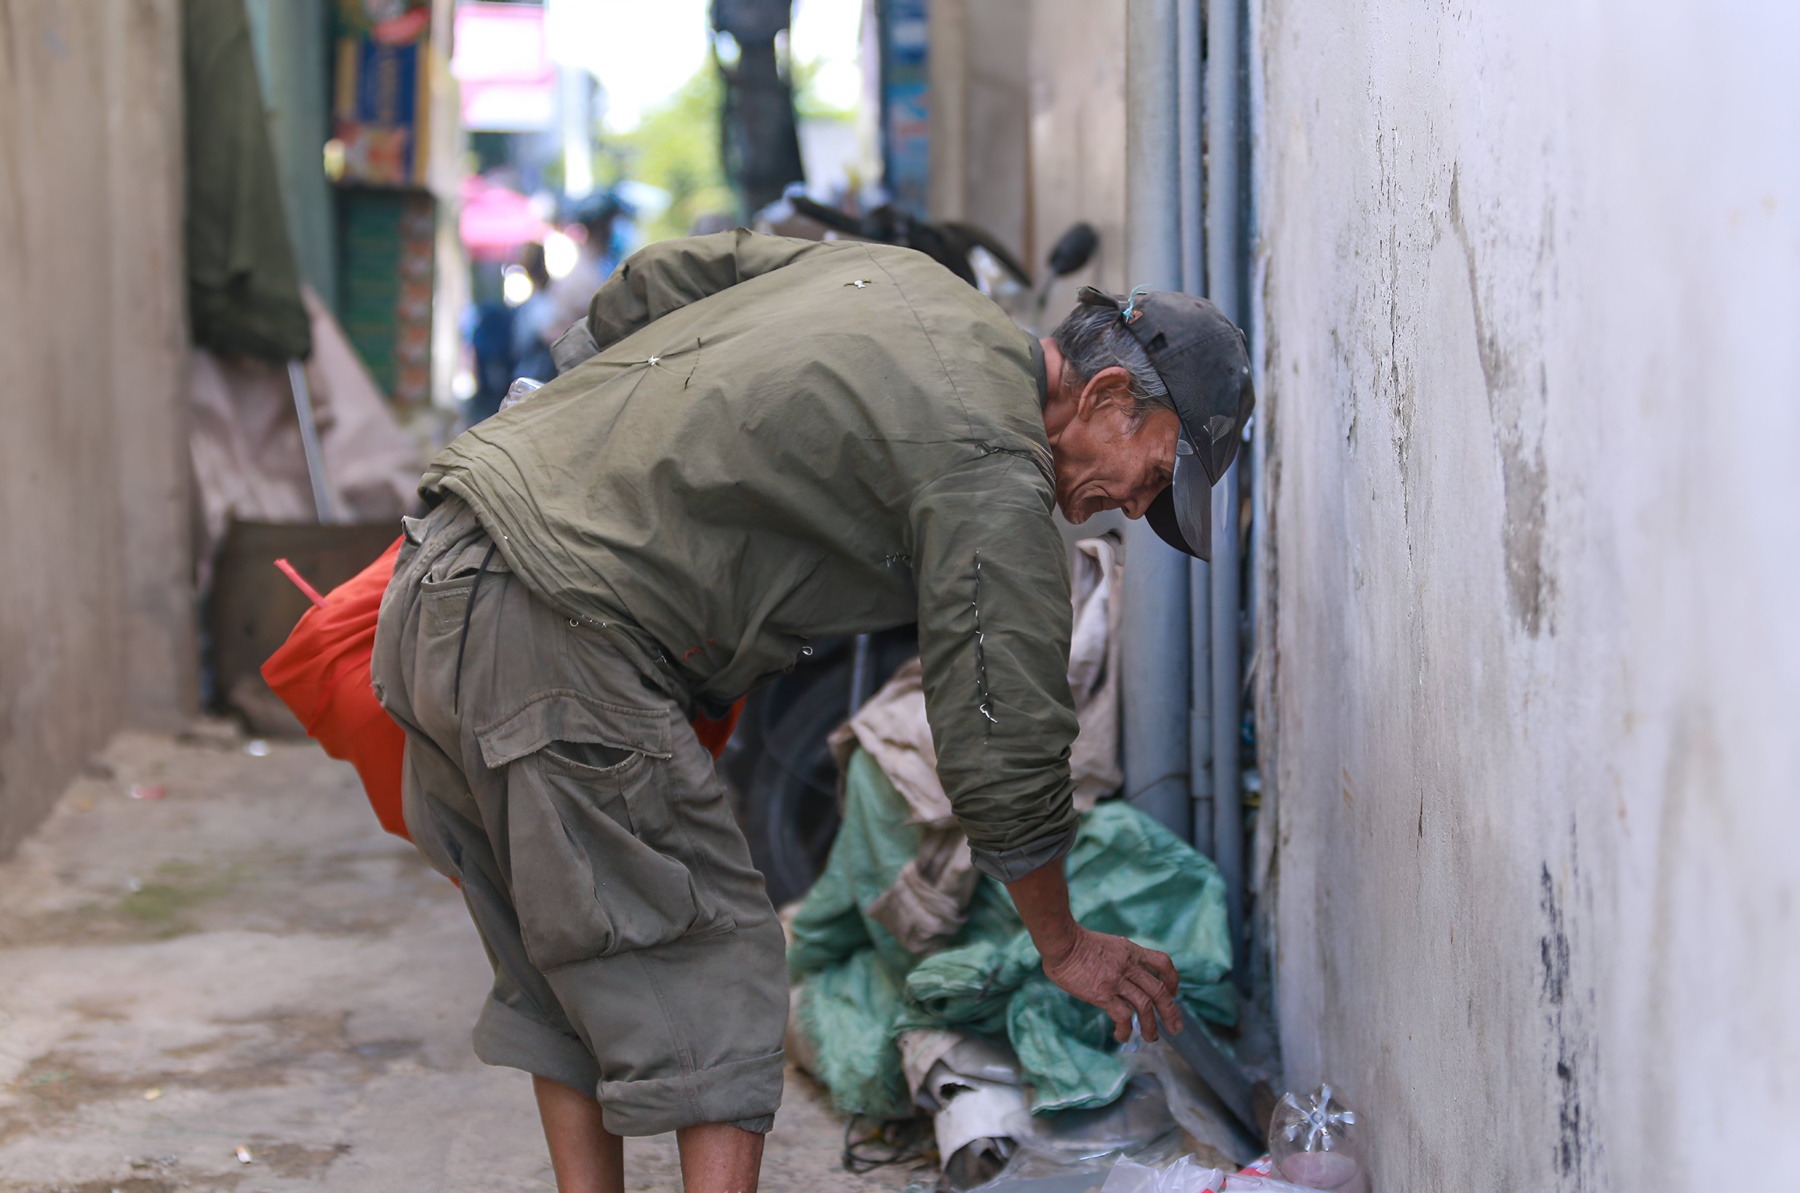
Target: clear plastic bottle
519 390
1313 1142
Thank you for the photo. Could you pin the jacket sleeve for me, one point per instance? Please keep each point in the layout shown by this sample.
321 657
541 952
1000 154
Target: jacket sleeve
669 275
994 625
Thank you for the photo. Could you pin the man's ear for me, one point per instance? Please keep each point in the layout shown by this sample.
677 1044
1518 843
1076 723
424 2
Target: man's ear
1109 387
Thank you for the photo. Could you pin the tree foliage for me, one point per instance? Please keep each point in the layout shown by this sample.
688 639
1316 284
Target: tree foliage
676 147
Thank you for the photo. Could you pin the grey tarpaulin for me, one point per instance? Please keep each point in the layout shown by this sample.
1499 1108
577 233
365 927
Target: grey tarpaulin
245 444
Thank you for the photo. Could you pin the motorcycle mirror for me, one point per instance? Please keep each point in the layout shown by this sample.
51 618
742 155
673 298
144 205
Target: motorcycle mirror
1074 249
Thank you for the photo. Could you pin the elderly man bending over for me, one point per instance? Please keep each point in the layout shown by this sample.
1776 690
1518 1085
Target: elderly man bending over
755 442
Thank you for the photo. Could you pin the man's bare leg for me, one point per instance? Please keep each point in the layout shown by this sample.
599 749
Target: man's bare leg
586 1156
716 1158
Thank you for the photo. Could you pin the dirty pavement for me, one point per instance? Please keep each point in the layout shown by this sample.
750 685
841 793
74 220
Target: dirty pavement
217 973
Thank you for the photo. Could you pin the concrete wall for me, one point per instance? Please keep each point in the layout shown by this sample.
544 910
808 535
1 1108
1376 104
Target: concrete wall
1028 127
1530 280
95 605
981 107
1078 138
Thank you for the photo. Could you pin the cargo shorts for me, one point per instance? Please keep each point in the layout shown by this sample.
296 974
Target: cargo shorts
636 956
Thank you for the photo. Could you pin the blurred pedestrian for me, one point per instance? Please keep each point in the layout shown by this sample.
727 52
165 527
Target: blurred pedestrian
491 340
598 215
536 321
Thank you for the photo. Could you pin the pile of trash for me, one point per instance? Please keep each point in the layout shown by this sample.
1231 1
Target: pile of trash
918 994
875 1016
964 1026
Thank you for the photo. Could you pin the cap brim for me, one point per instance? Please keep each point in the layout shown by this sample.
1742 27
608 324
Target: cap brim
1181 515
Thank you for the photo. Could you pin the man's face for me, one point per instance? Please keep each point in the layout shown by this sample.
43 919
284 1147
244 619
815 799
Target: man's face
1104 462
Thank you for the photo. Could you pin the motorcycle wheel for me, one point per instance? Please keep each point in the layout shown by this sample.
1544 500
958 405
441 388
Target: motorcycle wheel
791 807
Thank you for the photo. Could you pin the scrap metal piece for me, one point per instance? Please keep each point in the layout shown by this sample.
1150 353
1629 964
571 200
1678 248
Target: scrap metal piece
309 442
1220 1072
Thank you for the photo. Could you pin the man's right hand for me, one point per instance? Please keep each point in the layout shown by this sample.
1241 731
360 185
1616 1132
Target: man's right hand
1109 972
1119 977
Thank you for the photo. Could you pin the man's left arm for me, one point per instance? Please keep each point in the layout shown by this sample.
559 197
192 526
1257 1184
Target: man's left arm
994 625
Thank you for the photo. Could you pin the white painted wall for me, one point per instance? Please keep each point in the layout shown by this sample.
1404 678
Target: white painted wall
1531 311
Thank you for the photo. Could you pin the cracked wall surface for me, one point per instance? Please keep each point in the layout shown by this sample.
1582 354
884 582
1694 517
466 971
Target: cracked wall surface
1529 659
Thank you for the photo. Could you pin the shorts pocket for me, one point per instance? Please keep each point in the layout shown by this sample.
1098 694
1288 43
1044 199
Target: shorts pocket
599 866
449 582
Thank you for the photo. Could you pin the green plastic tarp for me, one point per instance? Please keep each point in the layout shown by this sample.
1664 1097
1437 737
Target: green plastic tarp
860 989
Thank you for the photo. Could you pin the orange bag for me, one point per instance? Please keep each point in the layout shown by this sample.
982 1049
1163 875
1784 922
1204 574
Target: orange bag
322 673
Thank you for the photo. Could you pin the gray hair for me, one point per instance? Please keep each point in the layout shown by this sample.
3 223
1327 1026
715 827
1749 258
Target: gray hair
1093 337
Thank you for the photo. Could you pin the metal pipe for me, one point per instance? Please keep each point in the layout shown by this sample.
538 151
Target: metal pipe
1200 698
1189 161
861 672
1225 243
1190 110
1226 255
1227 705
1155 659
309 441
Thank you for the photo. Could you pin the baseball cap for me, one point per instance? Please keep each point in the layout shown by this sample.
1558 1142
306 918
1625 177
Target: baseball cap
1204 363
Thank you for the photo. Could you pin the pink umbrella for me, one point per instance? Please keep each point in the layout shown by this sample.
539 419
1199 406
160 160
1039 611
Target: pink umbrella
495 221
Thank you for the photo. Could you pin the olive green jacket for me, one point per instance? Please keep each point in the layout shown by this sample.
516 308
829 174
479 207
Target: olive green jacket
778 440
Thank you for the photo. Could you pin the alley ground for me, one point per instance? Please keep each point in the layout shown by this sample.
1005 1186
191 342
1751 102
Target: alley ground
249 962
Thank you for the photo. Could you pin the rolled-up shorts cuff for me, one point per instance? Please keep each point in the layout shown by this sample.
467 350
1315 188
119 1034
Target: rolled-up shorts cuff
756 1126
507 1037
1010 865
742 1093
